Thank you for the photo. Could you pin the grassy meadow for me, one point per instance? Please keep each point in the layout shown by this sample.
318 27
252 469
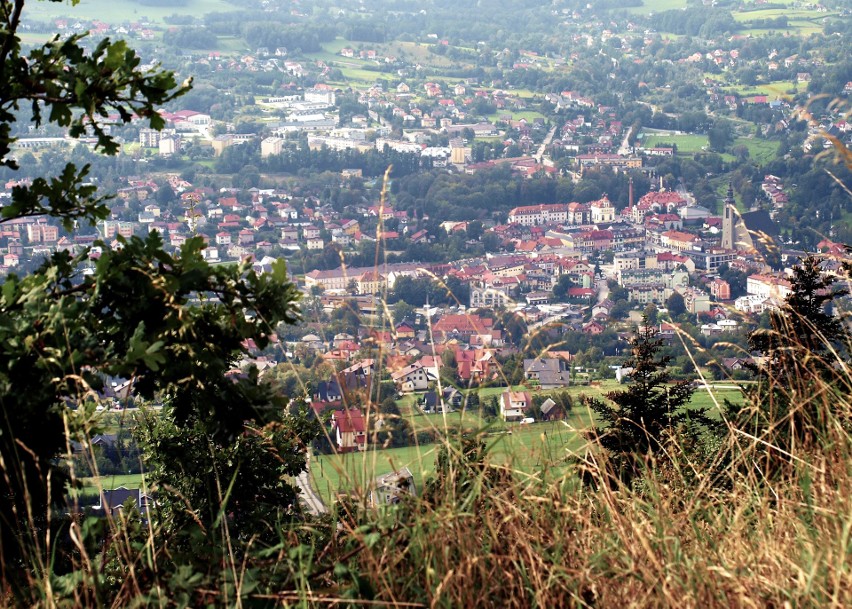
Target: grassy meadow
528 449
777 89
760 150
686 143
123 11
92 486
538 450
658 6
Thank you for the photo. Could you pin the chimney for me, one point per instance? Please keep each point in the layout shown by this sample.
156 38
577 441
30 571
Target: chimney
630 191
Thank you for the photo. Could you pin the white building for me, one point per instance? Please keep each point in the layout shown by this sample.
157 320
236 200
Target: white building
602 211
271 146
768 286
321 96
514 404
755 304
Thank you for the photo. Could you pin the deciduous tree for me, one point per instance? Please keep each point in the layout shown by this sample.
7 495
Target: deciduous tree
171 324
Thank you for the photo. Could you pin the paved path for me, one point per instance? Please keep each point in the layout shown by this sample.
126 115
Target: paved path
539 156
308 495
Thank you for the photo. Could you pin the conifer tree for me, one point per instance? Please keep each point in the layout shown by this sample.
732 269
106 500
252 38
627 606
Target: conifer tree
638 422
797 364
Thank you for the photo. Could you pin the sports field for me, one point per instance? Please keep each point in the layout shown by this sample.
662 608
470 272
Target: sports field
686 143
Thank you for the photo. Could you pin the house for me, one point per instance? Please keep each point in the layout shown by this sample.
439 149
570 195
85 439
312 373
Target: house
737 363
453 398
593 327
106 441
550 373
371 282
602 309
476 365
551 411
431 402
461 326
349 430
514 404
312 341
113 500
414 377
328 391
388 489
448 400
358 373
404 330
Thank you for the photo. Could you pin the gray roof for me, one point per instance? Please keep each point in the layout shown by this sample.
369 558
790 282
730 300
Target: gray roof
548 377
550 364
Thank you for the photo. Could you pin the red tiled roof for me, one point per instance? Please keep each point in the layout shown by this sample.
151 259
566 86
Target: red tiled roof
349 421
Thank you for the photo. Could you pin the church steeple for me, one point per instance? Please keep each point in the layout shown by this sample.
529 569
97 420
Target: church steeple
729 197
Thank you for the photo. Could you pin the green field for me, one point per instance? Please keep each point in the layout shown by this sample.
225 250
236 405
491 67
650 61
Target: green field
230 44
92 486
121 11
775 89
538 449
525 448
762 151
516 115
714 399
657 6
686 144
801 21
355 69
774 13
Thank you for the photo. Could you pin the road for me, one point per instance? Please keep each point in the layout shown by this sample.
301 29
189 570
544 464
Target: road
603 289
682 191
309 497
625 148
541 149
547 320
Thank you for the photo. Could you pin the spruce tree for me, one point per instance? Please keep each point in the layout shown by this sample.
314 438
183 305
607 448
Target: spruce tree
798 363
638 422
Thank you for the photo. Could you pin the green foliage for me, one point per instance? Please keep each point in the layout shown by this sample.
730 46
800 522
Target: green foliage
61 83
801 354
641 420
675 305
242 483
560 290
389 407
172 324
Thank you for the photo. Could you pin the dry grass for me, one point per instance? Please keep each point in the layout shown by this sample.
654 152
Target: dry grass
742 520
680 538
747 520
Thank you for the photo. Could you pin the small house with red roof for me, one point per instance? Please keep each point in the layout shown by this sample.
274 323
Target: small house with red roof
350 430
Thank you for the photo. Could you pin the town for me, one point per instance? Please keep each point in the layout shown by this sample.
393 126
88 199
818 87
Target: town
460 218
417 302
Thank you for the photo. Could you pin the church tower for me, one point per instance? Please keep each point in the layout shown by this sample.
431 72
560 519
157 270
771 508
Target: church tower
728 219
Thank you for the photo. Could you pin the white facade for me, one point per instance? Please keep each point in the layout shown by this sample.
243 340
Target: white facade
320 96
271 146
602 211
